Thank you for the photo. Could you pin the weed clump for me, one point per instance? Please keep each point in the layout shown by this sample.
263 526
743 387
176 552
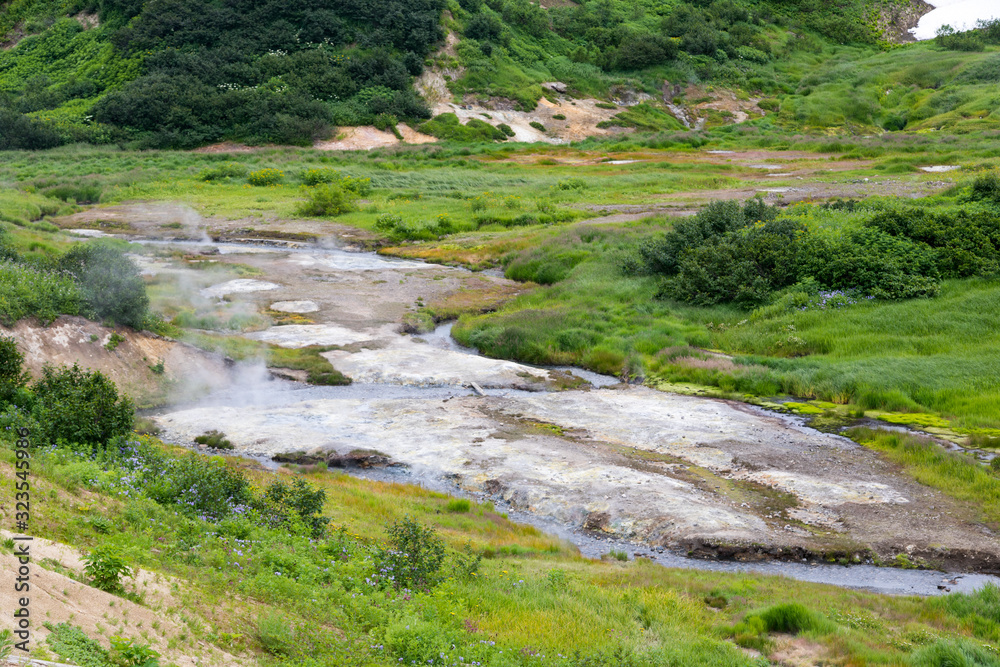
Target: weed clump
413 557
265 177
214 439
106 567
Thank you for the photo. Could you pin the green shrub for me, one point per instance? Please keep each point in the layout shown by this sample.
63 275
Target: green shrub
223 171
275 634
127 653
114 340
265 177
214 439
538 126
327 200
558 116
285 503
571 184
506 129
106 567
110 281
320 175
73 645
79 407
447 126
6 642
12 374
27 292
413 557
986 188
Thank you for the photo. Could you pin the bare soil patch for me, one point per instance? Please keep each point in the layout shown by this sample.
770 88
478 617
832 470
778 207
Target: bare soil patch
131 362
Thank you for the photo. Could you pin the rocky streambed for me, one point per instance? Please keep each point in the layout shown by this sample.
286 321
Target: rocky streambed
605 464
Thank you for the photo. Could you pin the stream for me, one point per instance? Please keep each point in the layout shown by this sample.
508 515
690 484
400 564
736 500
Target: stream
645 472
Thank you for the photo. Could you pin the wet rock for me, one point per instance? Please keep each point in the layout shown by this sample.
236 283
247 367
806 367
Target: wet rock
597 521
360 458
298 458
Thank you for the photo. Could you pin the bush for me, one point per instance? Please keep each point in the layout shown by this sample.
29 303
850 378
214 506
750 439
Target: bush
12 374
538 126
447 126
111 282
79 407
283 504
265 177
986 188
327 200
414 556
321 175
214 439
506 129
127 653
196 485
106 568
223 171
27 291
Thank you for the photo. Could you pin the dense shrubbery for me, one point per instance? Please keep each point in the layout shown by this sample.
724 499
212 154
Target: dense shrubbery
257 72
743 255
448 126
111 282
74 406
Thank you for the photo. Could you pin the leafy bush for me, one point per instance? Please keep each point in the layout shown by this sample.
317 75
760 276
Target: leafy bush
196 485
283 504
223 171
729 254
265 177
214 439
110 281
320 175
506 129
12 374
6 643
26 291
274 634
447 126
127 653
986 188
538 126
414 556
948 38
327 200
79 407
106 567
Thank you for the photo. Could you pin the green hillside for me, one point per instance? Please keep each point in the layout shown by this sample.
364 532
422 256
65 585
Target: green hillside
100 71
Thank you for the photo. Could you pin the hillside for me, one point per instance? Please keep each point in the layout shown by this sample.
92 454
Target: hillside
98 70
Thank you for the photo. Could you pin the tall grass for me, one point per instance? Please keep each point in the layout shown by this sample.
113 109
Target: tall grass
27 291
